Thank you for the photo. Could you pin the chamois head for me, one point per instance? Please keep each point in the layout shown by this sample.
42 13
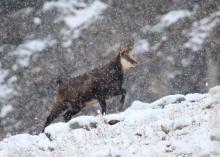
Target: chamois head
126 58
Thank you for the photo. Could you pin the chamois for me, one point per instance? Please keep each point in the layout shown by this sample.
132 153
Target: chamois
95 86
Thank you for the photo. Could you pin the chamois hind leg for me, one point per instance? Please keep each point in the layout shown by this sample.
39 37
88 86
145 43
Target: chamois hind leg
102 104
74 109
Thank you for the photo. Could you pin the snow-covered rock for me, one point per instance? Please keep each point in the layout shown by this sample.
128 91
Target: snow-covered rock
175 125
171 18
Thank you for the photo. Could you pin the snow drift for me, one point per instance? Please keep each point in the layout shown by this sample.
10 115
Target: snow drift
175 125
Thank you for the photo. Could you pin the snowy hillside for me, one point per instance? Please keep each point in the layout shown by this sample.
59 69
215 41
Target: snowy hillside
175 125
177 45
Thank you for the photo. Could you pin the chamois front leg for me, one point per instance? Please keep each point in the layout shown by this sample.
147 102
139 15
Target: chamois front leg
74 109
123 94
120 105
103 105
56 110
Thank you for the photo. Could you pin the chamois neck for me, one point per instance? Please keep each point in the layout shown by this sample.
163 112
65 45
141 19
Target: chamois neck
118 62
125 65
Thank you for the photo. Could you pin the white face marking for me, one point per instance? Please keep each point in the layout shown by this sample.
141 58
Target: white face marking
126 64
132 57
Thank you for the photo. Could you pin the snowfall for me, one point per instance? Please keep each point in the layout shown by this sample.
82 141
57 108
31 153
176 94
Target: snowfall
175 125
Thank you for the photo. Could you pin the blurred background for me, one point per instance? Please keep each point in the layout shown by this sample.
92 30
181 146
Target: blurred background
177 43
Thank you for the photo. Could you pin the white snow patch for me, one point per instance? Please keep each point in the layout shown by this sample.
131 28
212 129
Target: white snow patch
83 16
5 110
215 92
195 97
37 21
139 105
57 128
30 48
25 145
12 79
63 6
5 91
186 61
3 74
77 15
67 43
6 86
170 18
141 46
110 50
84 120
175 125
201 30
170 99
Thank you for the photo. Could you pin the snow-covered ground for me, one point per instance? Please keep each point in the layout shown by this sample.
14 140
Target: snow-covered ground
175 125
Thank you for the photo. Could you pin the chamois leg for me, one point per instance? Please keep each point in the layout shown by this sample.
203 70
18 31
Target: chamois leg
123 94
56 110
70 112
102 104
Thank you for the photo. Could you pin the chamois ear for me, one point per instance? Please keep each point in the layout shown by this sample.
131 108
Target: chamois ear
130 45
127 47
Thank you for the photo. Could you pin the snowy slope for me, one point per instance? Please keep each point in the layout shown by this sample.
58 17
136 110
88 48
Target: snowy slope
176 45
175 125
